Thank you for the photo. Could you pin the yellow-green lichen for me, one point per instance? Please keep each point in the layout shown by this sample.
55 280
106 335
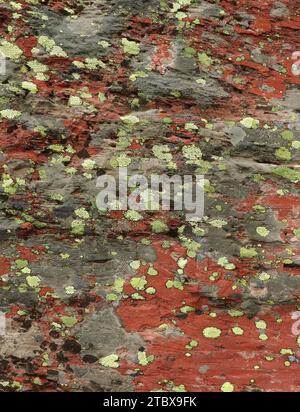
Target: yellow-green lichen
248 252
237 330
159 227
212 332
31 87
33 281
10 50
250 123
110 361
262 231
10 114
227 387
138 283
130 47
69 321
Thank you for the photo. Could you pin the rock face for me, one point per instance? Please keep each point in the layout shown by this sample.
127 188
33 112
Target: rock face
125 300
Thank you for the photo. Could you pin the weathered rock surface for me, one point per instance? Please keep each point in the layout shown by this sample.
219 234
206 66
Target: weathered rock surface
99 300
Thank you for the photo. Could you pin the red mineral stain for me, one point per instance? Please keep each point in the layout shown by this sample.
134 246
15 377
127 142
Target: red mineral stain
4 265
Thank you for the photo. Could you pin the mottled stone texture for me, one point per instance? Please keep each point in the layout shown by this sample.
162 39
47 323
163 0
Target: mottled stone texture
114 301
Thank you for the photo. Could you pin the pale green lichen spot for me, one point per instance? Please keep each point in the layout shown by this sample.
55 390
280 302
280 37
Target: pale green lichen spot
10 50
110 361
227 387
69 321
10 114
248 253
130 47
212 332
237 331
250 123
262 231
260 324
33 281
138 283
